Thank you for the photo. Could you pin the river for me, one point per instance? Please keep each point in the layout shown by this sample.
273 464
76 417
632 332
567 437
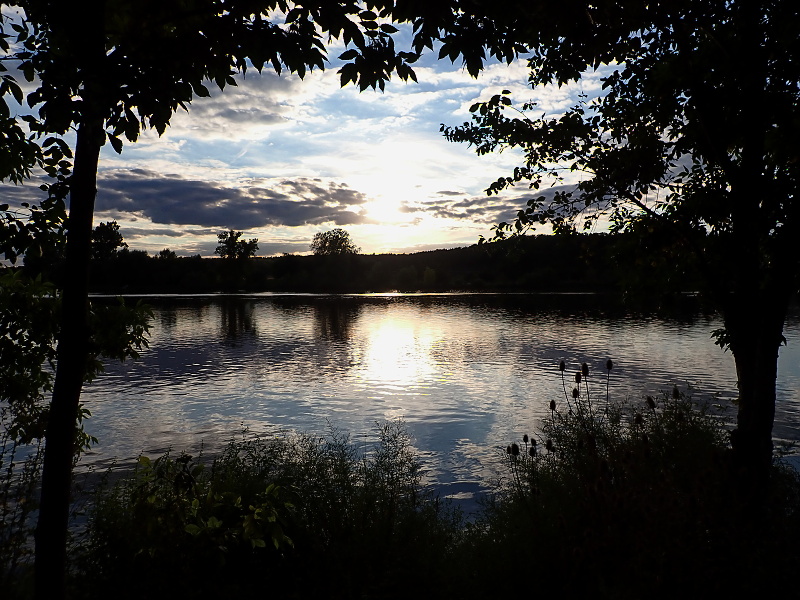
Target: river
467 373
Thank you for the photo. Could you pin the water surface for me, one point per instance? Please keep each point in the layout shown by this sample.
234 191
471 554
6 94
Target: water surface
467 373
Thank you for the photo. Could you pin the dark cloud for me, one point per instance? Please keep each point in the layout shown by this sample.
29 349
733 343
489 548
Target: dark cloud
175 200
480 209
17 194
137 232
259 100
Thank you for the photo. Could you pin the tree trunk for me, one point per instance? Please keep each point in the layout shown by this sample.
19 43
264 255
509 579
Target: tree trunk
59 449
756 336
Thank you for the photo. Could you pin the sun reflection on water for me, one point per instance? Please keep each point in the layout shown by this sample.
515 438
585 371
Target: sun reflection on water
466 374
397 353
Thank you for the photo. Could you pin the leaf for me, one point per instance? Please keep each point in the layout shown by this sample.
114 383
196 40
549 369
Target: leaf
16 91
201 90
116 143
349 54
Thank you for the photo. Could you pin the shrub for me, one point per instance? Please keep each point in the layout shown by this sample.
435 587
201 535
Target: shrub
630 499
316 514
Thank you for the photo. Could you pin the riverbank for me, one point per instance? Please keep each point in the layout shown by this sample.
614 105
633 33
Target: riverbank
612 503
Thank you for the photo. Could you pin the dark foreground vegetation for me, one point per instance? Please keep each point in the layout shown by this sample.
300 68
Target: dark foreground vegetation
568 263
623 500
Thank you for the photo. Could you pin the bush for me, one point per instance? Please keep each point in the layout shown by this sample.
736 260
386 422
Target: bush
314 514
627 500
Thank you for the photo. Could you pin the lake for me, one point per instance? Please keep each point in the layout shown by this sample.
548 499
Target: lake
467 373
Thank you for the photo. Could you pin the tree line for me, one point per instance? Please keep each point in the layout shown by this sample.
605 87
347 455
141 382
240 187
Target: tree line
544 263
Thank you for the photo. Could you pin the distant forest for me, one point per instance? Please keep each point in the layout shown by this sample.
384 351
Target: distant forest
561 263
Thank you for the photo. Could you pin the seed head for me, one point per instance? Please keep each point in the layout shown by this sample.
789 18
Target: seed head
508 449
609 364
651 403
514 449
532 450
575 393
676 393
525 438
638 419
562 366
578 377
549 445
552 405
585 369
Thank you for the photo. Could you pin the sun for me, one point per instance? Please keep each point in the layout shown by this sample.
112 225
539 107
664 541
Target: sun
386 210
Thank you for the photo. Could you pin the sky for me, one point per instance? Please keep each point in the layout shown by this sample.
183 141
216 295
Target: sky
281 159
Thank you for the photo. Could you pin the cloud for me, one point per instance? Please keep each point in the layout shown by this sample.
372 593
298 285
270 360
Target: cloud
175 200
486 210
137 232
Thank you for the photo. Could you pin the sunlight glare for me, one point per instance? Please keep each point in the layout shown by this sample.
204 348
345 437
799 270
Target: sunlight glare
386 210
398 354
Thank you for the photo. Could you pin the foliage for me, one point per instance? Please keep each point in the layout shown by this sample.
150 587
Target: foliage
28 329
316 514
34 232
20 466
619 499
664 121
334 241
149 70
167 254
106 240
29 311
233 248
670 150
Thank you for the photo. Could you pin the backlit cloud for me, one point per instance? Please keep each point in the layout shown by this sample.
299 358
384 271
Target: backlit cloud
172 199
283 158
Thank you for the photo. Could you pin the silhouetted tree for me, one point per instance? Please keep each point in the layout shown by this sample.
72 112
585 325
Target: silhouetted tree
233 248
335 241
167 254
672 150
106 240
106 70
